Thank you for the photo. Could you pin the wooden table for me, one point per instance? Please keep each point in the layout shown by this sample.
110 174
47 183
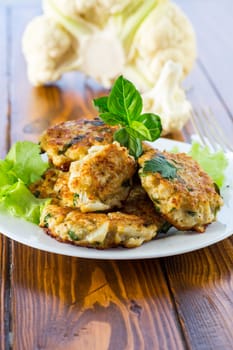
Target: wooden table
52 302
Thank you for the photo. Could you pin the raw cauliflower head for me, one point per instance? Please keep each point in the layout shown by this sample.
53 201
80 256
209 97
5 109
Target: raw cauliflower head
93 11
46 46
168 99
107 38
166 34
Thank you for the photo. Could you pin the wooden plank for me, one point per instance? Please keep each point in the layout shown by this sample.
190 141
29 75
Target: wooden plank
4 293
202 287
70 98
4 108
68 303
213 25
4 243
202 95
20 89
61 302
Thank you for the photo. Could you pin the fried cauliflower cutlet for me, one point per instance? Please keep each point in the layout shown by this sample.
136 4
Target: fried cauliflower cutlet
136 223
54 185
100 181
138 203
103 178
70 141
44 188
180 190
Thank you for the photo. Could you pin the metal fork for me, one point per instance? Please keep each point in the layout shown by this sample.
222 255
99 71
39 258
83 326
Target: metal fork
209 131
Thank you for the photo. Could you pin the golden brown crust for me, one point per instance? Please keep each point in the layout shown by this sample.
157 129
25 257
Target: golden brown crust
189 201
93 183
44 188
71 140
129 227
54 185
103 177
136 222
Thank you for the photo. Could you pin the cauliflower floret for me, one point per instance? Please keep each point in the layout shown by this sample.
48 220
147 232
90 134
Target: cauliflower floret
166 34
93 11
67 7
99 7
112 6
46 46
168 99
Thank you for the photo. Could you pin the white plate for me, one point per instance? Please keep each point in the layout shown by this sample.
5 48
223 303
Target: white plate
175 242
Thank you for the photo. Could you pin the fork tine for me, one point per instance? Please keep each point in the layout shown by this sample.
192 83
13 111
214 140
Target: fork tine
202 131
197 125
217 131
209 131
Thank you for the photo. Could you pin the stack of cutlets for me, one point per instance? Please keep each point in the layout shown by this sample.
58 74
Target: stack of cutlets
98 200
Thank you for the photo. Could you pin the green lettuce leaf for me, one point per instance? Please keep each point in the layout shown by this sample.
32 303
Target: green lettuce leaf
27 164
19 201
6 176
22 166
213 163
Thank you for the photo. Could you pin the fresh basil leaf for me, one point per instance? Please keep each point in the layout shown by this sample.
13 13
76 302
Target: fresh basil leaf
135 147
101 104
111 119
153 123
139 130
127 140
123 107
122 137
125 100
159 164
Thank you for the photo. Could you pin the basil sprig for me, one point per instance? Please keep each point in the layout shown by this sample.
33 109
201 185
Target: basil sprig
159 164
123 107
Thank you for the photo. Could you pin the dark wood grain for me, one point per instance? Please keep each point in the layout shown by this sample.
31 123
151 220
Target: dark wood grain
4 106
4 293
4 243
69 303
201 283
